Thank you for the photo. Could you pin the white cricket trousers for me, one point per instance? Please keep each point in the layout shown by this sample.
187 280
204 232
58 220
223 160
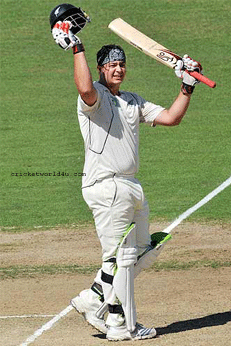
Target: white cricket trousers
116 202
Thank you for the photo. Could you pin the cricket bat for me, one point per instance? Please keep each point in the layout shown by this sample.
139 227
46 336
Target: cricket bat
152 48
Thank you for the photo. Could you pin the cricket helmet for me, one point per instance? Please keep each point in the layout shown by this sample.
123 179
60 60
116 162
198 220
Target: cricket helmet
68 12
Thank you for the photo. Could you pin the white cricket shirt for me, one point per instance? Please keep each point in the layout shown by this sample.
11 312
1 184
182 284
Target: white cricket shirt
110 129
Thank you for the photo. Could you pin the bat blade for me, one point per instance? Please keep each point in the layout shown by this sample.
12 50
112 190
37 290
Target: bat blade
143 43
150 47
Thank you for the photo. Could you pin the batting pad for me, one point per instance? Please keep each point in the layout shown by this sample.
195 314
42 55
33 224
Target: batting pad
147 258
159 238
123 282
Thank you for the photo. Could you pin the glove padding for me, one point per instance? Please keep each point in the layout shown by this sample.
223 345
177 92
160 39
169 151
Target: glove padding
187 64
63 35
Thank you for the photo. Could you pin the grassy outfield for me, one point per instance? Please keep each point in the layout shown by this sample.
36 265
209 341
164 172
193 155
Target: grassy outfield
15 272
39 128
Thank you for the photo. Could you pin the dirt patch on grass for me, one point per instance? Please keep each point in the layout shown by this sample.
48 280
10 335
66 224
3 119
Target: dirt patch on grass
191 241
187 307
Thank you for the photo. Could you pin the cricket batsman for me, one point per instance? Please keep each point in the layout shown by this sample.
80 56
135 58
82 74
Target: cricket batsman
109 119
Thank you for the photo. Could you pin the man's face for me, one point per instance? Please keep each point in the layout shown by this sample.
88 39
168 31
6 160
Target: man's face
113 73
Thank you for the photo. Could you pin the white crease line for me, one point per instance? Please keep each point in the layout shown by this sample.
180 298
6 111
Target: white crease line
24 316
183 216
47 326
207 198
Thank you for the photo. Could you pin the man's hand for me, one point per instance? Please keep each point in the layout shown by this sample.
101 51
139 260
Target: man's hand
63 35
187 64
182 69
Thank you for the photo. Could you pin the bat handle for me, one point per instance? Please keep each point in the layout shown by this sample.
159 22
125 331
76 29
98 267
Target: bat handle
203 79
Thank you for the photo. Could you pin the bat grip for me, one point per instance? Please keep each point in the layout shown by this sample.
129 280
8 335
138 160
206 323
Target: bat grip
203 79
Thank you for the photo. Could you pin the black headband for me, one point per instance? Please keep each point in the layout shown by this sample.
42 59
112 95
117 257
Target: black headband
110 53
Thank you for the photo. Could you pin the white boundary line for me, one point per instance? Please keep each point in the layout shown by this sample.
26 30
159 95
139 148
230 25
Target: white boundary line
47 326
205 200
182 217
25 316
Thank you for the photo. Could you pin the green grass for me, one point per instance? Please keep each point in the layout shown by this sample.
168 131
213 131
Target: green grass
15 272
39 127
176 265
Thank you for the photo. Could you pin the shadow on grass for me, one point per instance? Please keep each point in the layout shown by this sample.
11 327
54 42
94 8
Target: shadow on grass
197 323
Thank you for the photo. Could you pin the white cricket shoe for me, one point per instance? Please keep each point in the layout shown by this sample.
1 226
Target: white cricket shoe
121 333
87 303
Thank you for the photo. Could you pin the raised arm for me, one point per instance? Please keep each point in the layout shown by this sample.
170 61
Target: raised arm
83 79
64 37
174 115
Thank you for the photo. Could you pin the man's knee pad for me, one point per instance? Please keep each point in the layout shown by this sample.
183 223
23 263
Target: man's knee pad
123 282
147 258
107 278
118 278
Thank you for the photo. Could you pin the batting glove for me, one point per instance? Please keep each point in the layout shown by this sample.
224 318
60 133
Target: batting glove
65 38
181 70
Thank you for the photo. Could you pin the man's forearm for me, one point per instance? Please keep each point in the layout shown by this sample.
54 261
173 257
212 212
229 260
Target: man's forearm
174 115
82 74
179 108
83 79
